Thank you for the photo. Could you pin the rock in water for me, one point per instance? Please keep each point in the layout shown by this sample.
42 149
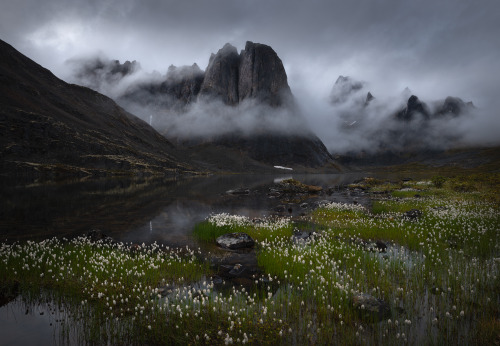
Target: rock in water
235 241
98 235
413 214
370 305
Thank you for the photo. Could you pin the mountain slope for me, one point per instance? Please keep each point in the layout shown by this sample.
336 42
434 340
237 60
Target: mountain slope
50 127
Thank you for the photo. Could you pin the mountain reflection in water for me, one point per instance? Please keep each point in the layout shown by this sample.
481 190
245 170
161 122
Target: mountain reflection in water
138 210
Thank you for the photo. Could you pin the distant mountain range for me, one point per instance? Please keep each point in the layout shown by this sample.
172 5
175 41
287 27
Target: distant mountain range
51 128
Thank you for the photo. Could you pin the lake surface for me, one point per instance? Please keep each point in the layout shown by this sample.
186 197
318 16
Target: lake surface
138 211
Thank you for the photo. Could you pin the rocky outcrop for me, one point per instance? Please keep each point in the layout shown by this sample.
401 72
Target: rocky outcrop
343 89
179 88
414 108
369 98
183 83
262 75
222 76
233 241
256 73
453 106
98 73
370 306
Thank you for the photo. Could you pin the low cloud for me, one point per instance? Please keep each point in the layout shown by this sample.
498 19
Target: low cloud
342 117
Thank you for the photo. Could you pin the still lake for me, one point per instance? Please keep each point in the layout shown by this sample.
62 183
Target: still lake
140 210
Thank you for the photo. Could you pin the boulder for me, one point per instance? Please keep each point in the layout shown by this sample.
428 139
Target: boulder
98 235
294 186
301 237
370 305
413 214
235 241
280 208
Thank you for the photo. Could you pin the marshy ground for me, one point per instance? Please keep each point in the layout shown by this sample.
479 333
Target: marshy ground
419 265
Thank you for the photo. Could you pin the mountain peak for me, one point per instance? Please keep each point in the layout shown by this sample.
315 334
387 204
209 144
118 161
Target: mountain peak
257 72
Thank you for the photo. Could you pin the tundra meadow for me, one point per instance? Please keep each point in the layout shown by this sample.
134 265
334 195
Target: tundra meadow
420 265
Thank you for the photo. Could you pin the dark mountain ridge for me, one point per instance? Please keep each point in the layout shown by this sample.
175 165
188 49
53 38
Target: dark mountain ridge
50 127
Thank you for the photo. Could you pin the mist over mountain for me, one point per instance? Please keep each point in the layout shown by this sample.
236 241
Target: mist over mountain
227 100
242 100
360 122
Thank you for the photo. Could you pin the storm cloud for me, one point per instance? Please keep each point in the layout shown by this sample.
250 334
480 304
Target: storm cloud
436 48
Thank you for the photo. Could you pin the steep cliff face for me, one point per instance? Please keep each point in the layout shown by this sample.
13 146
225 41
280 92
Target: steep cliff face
183 83
256 73
174 92
262 75
221 76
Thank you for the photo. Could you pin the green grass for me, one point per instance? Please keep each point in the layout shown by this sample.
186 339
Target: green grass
261 230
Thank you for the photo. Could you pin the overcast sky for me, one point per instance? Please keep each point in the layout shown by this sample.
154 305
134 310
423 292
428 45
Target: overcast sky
435 47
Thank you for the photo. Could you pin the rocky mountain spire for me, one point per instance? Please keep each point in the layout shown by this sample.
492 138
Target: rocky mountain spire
413 107
257 72
221 75
262 75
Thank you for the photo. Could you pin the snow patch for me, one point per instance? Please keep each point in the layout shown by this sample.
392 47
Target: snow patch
281 167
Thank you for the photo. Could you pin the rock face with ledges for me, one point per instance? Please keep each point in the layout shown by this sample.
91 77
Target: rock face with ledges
221 75
256 73
262 75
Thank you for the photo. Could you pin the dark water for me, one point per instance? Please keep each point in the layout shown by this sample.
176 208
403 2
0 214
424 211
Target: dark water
140 210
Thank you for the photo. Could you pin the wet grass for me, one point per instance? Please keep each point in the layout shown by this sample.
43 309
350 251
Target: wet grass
438 276
259 229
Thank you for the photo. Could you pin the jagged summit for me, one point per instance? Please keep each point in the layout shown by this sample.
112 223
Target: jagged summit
344 88
262 75
413 108
221 76
369 98
256 73
454 106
